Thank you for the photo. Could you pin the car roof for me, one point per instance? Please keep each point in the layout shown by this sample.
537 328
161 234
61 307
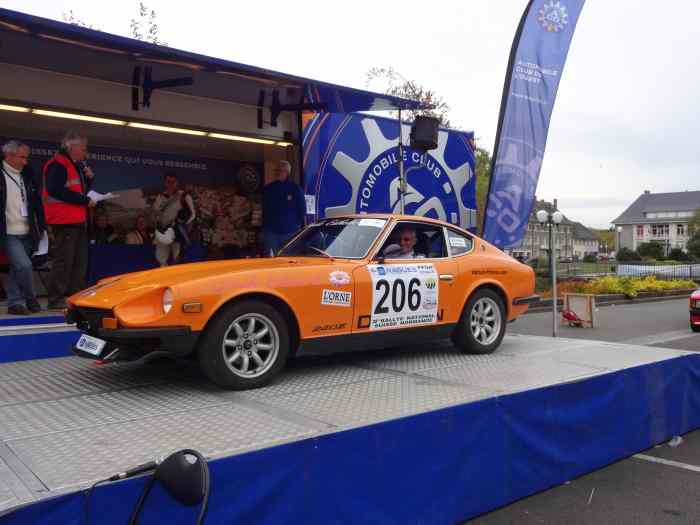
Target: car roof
397 217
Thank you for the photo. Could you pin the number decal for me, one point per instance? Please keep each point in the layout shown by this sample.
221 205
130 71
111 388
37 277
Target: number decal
381 309
398 298
414 293
403 295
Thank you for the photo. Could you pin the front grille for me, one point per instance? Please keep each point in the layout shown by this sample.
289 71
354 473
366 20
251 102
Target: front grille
90 319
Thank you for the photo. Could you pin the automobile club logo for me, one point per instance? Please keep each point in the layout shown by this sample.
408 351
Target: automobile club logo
374 185
553 16
339 278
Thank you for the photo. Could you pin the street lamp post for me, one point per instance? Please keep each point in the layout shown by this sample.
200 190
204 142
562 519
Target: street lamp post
552 220
619 240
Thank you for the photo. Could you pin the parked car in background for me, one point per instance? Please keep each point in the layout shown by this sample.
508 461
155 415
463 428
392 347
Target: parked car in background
695 311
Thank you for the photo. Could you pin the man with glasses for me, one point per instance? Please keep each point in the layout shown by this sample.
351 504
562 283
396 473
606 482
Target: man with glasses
21 227
66 182
406 247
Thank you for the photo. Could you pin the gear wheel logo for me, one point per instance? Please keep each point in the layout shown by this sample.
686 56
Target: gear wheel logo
553 16
370 172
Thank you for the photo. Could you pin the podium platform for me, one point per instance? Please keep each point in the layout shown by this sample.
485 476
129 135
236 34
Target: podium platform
410 435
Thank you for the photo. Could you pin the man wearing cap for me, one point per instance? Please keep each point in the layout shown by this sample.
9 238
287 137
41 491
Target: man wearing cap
284 209
21 227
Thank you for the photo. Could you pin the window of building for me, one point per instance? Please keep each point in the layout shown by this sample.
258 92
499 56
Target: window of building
640 231
681 229
659 230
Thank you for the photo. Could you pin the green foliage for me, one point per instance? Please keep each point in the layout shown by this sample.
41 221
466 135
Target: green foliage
678 255
590 258
395 84
625 254
483 177
693 246
651 250
629 286
694 223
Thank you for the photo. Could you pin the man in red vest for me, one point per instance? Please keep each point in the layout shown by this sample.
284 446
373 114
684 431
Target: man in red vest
66 183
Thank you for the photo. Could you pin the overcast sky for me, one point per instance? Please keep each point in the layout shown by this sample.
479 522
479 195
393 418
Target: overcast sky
627 117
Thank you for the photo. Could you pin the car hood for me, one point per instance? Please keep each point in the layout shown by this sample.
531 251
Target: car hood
110 292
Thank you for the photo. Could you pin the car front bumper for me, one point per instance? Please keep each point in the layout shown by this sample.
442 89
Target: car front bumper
128 344
695 316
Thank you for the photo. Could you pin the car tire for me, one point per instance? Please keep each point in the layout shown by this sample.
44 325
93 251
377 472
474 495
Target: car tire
238 355
482 324
695 327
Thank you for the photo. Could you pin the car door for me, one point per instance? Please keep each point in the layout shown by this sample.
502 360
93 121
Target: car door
394 294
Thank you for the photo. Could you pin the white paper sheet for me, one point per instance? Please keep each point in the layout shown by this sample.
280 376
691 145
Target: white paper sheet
97 197
43 247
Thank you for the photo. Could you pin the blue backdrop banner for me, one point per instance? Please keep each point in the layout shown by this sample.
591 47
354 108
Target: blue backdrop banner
351 166
536 62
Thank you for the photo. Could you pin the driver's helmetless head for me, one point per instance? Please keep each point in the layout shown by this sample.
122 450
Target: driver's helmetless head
407 239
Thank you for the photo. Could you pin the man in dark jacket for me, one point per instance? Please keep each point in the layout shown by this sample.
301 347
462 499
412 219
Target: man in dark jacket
66 183
21 227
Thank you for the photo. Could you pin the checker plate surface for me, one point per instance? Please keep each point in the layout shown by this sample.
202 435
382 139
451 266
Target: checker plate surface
312 379
377 400
112 448
74 382
7 495
39 367
500 375
616 356
25 420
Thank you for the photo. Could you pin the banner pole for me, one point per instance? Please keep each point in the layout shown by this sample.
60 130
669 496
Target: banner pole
402 178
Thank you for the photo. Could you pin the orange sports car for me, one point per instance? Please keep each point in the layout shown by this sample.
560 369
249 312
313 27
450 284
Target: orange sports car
343 283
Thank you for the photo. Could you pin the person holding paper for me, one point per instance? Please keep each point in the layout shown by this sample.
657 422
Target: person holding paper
22 225
66 181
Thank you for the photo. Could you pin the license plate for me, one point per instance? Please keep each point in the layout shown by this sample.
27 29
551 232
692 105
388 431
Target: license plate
91 345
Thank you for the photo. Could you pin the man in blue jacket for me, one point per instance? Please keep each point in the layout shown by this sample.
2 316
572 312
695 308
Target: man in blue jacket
284 209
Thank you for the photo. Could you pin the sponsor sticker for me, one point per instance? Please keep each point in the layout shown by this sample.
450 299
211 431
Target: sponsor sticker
404 295
339 278
336 298
457 242
374 223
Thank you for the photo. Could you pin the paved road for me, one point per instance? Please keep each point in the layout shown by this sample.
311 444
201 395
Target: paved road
638 490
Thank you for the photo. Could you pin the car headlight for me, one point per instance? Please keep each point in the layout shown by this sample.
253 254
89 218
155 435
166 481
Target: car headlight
167 300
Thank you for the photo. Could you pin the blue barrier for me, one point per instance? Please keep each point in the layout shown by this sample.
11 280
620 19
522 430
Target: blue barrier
24 321
440 467
36 346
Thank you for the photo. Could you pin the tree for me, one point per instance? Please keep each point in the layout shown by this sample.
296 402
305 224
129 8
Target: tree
143 27
625 254
651 250
483 177
397 85
694 223
693 245
678 255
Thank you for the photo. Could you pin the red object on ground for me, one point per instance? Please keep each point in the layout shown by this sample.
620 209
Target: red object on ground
572 318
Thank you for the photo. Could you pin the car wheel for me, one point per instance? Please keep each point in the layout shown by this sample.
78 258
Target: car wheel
695 327
245 346
482 325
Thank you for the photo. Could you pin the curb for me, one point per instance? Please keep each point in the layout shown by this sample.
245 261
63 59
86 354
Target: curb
607 300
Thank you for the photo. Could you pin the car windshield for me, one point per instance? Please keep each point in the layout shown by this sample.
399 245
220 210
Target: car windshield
345 238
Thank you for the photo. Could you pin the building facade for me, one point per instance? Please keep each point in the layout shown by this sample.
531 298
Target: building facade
657 217
585 242
535 244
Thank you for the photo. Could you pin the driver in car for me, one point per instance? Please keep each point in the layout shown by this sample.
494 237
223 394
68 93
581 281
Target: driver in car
406 247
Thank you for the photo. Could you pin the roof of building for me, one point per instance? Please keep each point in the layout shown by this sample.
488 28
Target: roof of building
580 233
548 207
658 202
66 48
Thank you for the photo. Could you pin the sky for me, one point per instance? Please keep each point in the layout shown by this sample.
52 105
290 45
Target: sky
626 119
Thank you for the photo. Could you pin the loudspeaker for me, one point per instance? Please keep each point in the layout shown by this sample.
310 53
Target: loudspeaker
424 133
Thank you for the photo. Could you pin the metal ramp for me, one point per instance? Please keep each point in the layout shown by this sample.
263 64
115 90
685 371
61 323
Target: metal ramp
65 422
